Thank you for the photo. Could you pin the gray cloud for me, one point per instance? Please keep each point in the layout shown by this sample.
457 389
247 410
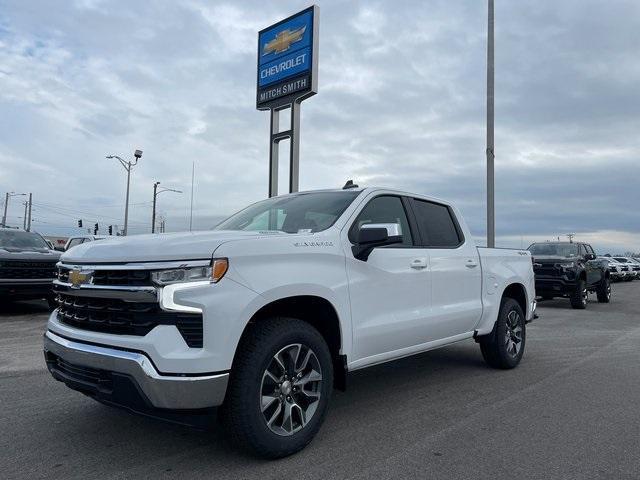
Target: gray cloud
401 104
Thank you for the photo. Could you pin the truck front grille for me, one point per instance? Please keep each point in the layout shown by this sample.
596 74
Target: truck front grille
128 278
22 270
118 317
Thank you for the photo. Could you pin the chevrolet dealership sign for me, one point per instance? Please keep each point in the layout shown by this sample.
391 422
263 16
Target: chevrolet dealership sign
288 60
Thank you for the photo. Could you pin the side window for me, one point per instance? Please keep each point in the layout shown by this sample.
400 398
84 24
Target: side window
74 242
583 250
384 209
436 225
589 249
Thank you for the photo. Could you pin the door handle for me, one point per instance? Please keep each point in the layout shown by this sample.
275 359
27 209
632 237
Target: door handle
419 263
471 263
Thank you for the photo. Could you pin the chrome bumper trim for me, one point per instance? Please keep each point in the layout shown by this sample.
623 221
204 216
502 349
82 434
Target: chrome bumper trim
128 294
163 391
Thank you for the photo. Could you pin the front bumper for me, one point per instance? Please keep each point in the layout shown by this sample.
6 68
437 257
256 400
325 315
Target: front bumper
129 379
554 285
26 288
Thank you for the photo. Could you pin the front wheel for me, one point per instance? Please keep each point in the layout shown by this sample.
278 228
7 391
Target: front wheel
579 296
504 346
604 291
279 389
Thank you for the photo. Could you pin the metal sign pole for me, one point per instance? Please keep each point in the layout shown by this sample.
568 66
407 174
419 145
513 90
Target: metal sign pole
294 148
273 153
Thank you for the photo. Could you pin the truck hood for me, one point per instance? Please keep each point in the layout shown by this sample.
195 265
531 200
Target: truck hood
35 254
156 248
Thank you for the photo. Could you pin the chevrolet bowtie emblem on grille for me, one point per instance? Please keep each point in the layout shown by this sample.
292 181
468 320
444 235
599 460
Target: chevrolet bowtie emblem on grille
283 41
79 277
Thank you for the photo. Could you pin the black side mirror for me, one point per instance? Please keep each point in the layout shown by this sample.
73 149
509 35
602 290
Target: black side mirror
590 256
375 235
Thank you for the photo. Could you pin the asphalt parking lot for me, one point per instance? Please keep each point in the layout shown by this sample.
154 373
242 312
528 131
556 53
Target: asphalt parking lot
570 410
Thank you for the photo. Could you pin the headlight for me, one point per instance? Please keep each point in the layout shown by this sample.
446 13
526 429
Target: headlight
213 273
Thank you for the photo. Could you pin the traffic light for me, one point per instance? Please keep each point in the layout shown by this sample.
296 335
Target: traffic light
110 229
95 229
79 223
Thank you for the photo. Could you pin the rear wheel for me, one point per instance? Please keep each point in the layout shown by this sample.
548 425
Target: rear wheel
279 390
579 296
604 291
504 346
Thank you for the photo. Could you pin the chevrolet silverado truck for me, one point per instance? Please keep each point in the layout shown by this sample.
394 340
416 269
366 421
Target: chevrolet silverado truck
567 269
264 315
27 266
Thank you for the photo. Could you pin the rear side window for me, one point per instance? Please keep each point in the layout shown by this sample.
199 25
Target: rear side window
436 223
384 209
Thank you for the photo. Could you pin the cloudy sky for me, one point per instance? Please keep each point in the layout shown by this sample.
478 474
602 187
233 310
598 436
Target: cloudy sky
401 103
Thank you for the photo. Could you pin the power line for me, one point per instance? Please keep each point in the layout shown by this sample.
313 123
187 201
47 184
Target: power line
75 213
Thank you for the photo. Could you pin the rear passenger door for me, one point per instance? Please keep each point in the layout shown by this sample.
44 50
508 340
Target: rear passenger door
456 274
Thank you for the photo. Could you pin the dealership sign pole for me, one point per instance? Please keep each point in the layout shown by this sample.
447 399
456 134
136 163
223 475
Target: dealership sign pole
287 75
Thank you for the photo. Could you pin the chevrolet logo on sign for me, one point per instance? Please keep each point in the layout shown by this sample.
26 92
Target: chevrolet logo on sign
283 41
79 277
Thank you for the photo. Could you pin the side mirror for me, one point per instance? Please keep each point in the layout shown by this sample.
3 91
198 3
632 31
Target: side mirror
590 256
374 235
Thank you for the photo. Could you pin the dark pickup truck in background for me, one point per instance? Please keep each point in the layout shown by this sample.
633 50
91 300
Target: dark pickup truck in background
567 269
27 267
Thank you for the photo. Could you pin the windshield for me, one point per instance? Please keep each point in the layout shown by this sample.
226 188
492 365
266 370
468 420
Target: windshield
302 213
20 239
554 249
622 260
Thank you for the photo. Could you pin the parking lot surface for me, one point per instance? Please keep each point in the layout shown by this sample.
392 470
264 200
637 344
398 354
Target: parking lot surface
570 410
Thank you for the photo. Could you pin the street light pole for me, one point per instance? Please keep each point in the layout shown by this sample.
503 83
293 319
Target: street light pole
153 215
127 165
491 220
157 192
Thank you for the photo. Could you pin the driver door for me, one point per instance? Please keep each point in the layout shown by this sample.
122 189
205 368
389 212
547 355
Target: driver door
390 292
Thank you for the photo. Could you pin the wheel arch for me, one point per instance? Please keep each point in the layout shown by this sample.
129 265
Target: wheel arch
517 292
318 312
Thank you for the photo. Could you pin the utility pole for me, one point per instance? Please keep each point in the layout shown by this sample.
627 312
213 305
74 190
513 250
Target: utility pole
127 165
30 204
571 235
157 192
6 204
193 171
24 219
491 211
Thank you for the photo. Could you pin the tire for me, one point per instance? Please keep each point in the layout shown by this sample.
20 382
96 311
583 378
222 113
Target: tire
604 291
500 348
261 392
578 297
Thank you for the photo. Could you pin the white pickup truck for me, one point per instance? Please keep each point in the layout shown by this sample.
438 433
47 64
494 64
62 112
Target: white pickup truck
265 315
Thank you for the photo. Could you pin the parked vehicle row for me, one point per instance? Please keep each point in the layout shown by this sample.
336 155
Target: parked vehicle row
629 267
27 266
